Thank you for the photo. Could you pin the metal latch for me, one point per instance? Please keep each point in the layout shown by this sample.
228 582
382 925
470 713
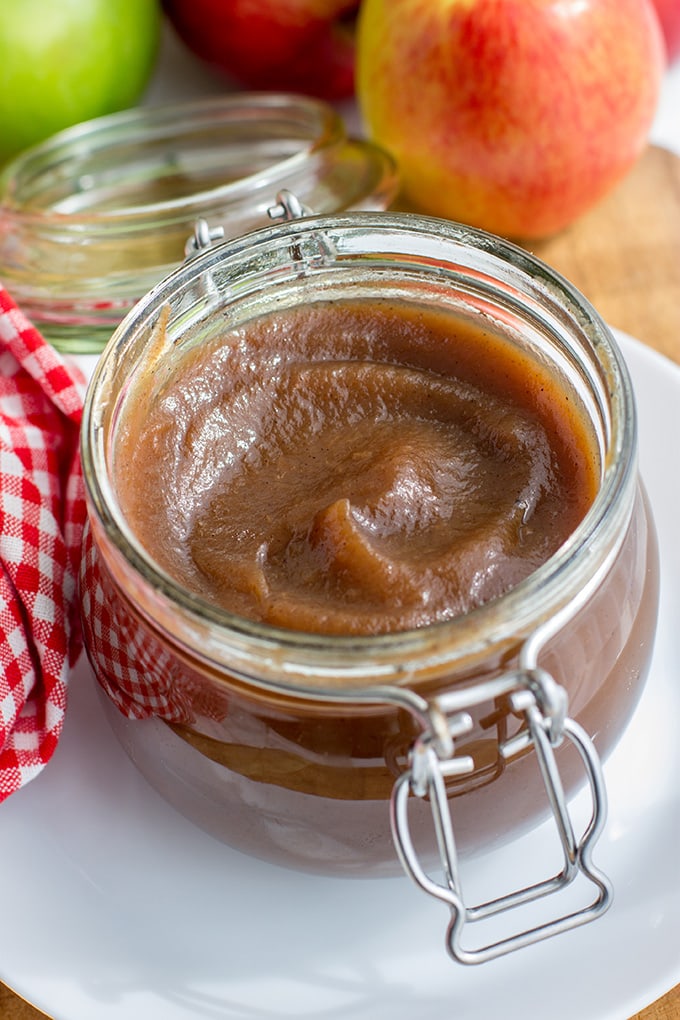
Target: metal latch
541 702
202 238
287 208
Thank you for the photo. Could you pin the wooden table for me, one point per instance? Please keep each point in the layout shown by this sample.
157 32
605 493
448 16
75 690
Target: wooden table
625 256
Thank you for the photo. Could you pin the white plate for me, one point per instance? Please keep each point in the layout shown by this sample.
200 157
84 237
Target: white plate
113 906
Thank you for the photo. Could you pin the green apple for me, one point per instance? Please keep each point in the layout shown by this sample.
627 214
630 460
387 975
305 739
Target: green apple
65 61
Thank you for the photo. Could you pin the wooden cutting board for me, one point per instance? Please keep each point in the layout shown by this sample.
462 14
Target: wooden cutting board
625 257
625 254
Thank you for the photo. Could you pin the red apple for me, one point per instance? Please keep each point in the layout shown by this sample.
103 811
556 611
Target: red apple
285 45
669 16
512 115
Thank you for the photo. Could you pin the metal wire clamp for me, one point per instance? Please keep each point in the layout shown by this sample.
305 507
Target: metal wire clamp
534 695
203 237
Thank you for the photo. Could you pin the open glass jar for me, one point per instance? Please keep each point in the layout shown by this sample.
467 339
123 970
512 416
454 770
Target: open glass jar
96 215
331 753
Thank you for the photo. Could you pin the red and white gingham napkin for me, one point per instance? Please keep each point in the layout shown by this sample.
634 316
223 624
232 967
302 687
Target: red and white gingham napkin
135 668
42 511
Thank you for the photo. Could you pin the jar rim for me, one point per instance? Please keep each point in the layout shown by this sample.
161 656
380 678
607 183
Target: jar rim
511 616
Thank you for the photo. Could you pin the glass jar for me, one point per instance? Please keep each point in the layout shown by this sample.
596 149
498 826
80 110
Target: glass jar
96 215
292 746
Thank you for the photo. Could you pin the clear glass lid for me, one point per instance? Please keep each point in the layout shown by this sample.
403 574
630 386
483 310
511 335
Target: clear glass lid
94 217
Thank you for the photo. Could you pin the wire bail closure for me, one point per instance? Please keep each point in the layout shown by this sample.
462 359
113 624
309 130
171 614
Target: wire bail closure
287 208
535 696
203 237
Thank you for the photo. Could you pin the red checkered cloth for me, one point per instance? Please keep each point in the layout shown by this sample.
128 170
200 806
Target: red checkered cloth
136 668
42 512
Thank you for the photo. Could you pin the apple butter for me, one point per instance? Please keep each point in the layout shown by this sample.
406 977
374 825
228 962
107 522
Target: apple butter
361 467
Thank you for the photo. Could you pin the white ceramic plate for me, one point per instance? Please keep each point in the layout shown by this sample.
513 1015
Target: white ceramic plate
115 907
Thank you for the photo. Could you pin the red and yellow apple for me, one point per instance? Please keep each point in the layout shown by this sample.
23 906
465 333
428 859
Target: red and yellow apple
511 115
296 45
669 16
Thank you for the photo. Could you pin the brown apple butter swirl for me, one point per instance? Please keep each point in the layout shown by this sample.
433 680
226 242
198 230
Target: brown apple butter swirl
354 468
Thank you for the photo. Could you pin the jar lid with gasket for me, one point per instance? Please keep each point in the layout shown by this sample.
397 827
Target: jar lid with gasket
95 216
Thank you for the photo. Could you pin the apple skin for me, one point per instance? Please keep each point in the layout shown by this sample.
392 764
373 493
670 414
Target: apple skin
669 16
511 115
68 61
305 46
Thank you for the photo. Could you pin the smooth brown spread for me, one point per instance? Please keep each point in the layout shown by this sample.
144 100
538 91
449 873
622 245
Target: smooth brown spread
354 467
